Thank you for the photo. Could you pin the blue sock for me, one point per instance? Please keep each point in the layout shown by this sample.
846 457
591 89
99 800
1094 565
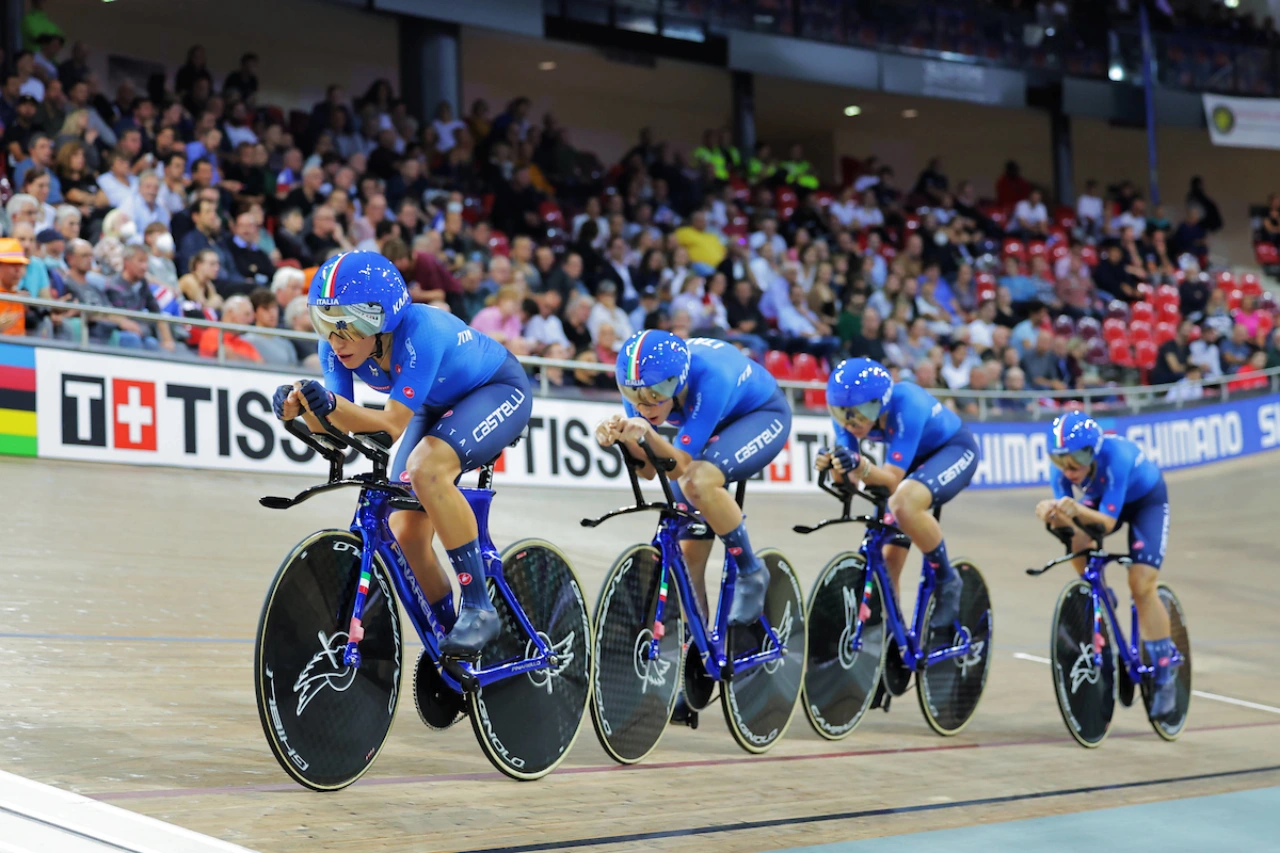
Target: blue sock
444 613
1160 655
469 565
941 565
740 549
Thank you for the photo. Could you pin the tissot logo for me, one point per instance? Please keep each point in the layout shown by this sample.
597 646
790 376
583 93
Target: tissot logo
84 408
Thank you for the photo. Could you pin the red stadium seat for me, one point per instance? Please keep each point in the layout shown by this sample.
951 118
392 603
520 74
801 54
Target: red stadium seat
551 214
741 190
913 222
1266 254
1119 309
1144 354
1167 312
1089 328
1096 351
1143 312
499 245
1234 298
1059 251
1267 302
1266 323
777 363
824 197
1196 333
1250 285
1165 332
1037 249
1090 255
1225 280
1118 352
1146 292
1064 326
1140 330
1114 330
804 367
1014 248
1166 293
1064 216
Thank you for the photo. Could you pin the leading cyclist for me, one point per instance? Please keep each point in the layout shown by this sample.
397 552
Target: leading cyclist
930 456
456 399
733 421
1118 485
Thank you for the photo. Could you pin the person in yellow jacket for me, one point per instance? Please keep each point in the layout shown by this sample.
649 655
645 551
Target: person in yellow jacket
798 170
762 167
709 154
730 154
703 245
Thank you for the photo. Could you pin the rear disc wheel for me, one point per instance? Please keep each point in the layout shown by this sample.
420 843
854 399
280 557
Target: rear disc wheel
950 690
1083 665
1172 724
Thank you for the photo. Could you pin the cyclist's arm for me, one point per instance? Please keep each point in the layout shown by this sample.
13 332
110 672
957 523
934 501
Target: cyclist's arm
899 451
1112 502
1086 515
646 469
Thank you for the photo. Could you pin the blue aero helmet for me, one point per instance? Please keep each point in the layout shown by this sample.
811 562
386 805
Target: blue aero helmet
652 367
355 295
858 386
1074 436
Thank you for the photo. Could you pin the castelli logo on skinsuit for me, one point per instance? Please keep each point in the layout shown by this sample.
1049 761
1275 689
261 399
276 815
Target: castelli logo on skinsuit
897 456
684 439
408 392
735 551
1137 546
464 578
404 476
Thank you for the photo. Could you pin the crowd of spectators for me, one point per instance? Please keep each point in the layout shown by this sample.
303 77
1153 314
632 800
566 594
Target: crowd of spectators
192 200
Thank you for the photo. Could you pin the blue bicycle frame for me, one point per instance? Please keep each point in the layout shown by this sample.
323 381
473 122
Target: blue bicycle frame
1094 575
878 534
711 645
378 496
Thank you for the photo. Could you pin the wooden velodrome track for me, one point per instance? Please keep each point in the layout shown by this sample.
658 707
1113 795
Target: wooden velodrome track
131 597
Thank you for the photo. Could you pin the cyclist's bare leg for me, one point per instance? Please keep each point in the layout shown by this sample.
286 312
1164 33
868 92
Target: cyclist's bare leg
696 553
895 557
1153 619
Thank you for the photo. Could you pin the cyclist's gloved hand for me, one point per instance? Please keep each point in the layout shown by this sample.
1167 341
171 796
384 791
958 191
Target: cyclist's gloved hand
847 457
279 399
320 400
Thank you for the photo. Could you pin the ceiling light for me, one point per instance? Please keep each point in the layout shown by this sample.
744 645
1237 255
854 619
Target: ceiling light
547 65
852 111
1116 73
910 113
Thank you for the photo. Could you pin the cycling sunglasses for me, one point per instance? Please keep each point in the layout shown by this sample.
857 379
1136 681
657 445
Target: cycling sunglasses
651 395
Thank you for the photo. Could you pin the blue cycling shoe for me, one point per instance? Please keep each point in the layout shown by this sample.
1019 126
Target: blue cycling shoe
748 596
946 602
1164 694
474 629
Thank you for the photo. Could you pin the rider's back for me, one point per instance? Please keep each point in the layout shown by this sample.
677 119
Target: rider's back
435 359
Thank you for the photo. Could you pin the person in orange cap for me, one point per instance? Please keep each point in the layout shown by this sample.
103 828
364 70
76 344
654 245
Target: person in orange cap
13 265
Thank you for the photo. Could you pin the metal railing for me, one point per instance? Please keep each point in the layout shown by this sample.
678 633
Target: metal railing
1028 403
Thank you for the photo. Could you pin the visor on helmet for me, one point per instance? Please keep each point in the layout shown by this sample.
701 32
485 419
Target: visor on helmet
1082 457
349 322
651 395
845 414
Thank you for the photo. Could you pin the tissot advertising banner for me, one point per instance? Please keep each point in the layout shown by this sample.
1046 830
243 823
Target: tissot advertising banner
147 411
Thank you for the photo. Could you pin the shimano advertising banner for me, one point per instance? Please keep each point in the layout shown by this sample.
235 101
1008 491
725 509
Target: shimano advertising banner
147 411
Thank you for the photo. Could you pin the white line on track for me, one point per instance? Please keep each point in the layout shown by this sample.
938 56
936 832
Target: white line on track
1270 709
39 817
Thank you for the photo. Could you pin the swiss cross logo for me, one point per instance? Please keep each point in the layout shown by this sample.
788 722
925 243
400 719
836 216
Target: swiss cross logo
408 392
464 578
780 467
133 414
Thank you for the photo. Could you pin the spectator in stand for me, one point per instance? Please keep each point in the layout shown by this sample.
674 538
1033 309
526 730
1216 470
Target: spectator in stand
1090 216
306 196
1256 363
1025 335
144 206
959 366
1041 363
198 285
1023 289
1030 218
982 328
1173 356
501 321
40 155
118 183
297 316
544 330
236 309
287 284
129 289
1206 353
1235 351
266 315
205 235
1011 187
1252 318
1114 277
607 310
622 275
324 236
251 262
13 264
1199 198
1134 219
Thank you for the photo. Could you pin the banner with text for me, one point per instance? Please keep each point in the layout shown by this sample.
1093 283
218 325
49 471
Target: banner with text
1243 122
151 412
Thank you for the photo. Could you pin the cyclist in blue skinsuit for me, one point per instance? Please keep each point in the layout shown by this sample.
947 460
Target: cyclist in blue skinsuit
1118 484
456 399
733 421
930 456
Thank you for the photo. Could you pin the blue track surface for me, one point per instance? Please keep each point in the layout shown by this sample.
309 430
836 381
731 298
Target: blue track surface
1243 820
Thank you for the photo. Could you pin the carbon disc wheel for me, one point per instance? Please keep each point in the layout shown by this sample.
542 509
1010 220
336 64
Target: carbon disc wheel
1083 665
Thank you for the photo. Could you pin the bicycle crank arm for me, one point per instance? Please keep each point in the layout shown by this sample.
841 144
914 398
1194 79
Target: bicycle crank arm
464 678
940 655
